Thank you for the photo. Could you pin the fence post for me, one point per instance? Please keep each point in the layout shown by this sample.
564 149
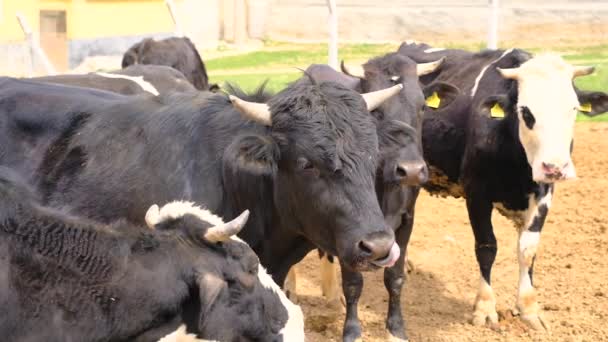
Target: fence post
176 22
493 25
333 34
35 48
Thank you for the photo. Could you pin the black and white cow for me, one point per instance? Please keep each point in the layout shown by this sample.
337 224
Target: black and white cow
133 80
503 144
400 172
66 278
304 164
176 52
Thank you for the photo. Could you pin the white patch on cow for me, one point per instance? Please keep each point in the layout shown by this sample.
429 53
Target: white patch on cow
139 80
294 327
545 88
177 209
180 335
485 305
431 50
483 71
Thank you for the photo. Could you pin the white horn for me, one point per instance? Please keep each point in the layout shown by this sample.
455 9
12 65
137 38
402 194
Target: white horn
375 98
353 70
224 231
582 71
152 216
258 112
427 68
510 73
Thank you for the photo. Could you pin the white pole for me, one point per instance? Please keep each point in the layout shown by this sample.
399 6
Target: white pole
35 48
176 22
493 25
333 34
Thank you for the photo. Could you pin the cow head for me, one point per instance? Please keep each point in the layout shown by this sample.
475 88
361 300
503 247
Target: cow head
400 117
237 299
321 150
546 108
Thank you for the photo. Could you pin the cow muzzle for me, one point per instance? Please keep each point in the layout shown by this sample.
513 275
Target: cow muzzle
412 173
548 172
379 249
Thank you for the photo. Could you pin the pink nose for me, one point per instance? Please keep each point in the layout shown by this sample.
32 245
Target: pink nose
554 172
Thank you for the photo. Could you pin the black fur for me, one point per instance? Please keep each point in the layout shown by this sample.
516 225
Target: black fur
67 278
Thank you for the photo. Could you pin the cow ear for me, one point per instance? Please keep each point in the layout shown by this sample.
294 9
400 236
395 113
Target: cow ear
592 103
210 287
255 155
495 106
440 94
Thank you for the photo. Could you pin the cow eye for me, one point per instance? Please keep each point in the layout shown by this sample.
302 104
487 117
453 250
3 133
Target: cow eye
527 116
306 166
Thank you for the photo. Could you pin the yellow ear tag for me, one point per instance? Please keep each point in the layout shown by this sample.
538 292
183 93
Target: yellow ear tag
433 101
496 111
585 107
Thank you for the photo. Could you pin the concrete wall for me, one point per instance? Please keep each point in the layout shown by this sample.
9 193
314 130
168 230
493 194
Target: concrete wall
523 22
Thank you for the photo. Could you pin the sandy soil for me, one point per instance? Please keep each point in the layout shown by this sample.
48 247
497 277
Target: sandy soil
571 271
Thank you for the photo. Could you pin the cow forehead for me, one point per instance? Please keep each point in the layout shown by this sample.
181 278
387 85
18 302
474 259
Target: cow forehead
545 84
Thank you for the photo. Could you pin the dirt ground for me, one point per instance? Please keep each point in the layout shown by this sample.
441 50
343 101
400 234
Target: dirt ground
571 270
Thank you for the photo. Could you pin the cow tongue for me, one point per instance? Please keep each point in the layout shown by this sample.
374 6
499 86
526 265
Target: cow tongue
390 259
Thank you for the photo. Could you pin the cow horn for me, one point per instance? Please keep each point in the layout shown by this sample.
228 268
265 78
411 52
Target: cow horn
152 216
427 68
353 70
510 73
258 112
224 231
582 71
375 98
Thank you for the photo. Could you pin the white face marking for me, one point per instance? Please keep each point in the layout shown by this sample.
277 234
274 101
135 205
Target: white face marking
483 71
545 88
139 80
431 50
180 335
294 327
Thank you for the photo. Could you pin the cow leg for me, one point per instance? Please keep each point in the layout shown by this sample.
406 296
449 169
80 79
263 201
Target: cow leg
352 284
330 284
480 215
394 277
290 287
529 238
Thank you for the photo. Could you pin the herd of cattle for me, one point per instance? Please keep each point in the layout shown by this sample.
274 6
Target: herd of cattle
335 161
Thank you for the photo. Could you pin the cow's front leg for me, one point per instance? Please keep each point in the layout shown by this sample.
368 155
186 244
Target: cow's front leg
394 278
529 238
330 283
352 284
480 215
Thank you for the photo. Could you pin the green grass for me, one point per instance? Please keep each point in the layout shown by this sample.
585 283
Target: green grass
279 63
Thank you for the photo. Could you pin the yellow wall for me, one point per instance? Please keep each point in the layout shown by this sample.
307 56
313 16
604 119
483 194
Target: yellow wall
88 19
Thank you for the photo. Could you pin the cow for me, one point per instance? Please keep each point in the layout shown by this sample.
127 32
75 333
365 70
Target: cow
176 52
400 172
67 278
303 163
133 80
503 144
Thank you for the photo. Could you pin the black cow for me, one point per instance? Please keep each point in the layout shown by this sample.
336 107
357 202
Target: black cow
176 52
65 278
503 144
304 164
135 79
400 172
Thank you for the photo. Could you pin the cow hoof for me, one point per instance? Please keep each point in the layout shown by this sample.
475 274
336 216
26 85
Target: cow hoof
485 317
535 322
352 333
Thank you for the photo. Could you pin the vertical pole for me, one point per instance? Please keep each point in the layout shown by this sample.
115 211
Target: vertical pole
240 22
176 22
493 24
333 34
35 48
